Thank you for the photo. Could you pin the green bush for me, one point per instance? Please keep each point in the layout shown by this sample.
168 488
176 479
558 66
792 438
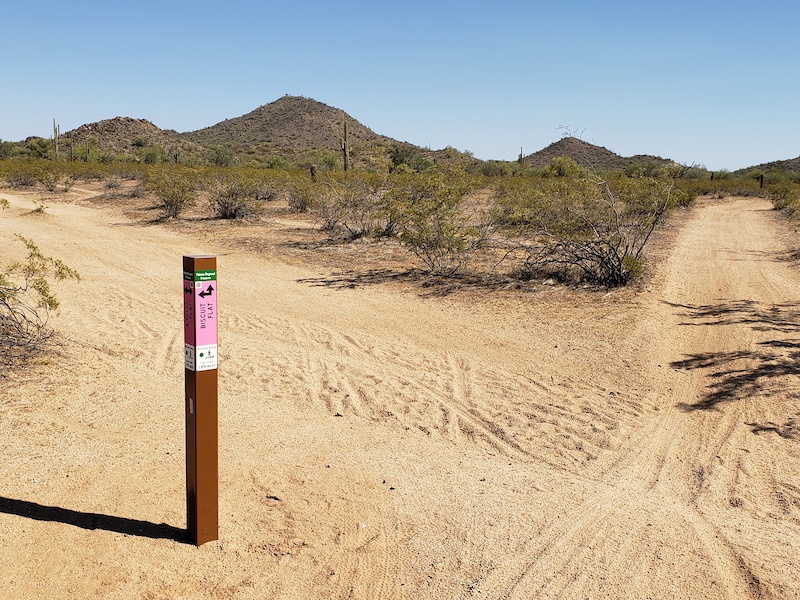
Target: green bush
26 301
432 222
786 197
302 193
6 149
351 203
235 198
175 189
153 155
407 158
220 156
20 174
582 229
562 166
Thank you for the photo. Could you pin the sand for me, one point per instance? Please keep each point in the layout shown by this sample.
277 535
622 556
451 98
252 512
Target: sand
380 441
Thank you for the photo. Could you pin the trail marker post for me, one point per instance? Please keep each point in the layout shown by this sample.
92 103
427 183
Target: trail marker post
200 368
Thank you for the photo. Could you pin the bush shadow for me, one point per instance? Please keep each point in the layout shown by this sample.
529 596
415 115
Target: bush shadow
740 374
428 285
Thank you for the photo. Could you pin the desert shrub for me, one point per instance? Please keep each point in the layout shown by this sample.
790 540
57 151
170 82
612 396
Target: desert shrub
266 188
351 203
220 156
176 189
38 147
26 301
786 197
408 158
235 198
6 149
138 191
153 155
722 185
112 183
495 168
23 175
583 229
276 162
562 166
432 222
783 194
302 193
49 179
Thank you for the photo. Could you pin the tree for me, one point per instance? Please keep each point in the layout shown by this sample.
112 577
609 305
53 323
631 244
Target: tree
6 149
38 147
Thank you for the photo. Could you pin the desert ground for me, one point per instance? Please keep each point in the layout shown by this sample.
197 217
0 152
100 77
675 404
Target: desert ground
380 438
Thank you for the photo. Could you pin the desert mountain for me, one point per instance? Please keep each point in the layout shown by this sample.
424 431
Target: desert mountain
584 153
305 130
125 134
291 126
792 165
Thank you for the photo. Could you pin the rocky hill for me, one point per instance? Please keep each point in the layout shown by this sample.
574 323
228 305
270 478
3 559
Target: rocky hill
292 126
584 153
792 165
128 135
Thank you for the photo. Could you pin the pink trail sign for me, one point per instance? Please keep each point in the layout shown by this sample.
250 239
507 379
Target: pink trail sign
200 320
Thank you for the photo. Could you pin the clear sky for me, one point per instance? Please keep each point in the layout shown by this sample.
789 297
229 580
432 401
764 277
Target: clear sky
709 82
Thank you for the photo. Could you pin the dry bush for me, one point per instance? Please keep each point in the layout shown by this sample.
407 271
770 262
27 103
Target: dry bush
585 229
352 203
176 189
235 198
432 223
26 301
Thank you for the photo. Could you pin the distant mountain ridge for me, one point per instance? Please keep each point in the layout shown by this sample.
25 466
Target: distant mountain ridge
305 130
792 165
590 155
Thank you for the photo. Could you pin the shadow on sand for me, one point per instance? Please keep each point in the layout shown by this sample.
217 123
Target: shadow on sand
87 520
772 366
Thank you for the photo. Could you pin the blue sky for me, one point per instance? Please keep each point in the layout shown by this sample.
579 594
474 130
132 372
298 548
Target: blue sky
716 83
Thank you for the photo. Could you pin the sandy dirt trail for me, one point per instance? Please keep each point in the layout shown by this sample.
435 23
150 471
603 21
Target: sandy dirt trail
375 443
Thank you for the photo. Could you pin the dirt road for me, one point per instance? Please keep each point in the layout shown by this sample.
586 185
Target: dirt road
379 443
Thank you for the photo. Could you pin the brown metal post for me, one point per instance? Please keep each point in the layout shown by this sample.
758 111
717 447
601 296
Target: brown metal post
200 368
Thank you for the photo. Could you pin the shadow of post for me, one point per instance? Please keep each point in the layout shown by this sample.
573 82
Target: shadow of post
87 520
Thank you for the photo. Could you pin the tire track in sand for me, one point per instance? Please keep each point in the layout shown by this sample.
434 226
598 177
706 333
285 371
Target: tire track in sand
657 485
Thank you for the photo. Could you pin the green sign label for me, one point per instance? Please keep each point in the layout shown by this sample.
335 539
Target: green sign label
205 276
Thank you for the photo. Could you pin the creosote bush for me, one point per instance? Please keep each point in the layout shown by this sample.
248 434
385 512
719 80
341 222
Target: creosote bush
432 222
353 203
585 229
785 196
26 301
302 193
236 198
176 189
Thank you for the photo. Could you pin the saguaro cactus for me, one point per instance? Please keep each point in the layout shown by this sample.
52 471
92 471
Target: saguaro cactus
345 148
56 135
